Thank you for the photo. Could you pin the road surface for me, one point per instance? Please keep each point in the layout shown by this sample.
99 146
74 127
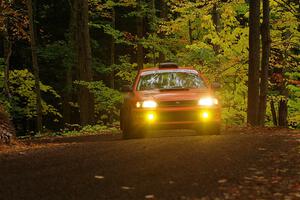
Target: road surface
176 166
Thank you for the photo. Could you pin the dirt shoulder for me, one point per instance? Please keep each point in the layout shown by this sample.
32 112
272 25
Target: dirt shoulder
28 144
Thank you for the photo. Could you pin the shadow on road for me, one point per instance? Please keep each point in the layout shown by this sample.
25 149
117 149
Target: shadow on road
75 139
170 133
108 137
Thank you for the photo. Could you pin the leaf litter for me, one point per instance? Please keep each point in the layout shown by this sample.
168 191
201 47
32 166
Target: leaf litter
280 179
99 177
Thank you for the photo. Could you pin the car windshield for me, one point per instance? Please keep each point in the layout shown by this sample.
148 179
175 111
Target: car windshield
168 80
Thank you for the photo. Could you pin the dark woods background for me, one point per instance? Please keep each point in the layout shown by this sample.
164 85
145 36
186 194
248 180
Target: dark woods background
85 54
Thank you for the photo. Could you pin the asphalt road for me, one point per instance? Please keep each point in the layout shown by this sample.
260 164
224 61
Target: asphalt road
177 166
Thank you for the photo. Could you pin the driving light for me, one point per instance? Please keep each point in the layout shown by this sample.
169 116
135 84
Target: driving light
208 101
150 117
149 104
205 115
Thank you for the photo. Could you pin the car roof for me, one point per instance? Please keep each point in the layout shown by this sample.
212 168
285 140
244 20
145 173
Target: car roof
171 68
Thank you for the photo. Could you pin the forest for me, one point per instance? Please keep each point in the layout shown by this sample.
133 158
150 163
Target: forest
63 62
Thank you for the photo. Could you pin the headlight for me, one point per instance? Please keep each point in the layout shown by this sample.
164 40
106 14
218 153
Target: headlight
208 101
146 104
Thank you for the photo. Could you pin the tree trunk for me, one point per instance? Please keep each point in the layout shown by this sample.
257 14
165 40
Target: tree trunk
217 23
113 51
67 97
190 32
273 111
83 61
282 113
216 17
140 35
153 28
266 42
163 16
7 55
254 63
35 66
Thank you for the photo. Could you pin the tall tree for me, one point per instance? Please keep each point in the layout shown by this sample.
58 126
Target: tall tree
83 60
70 66
153 26
13 27
113 49
164 17
7 43
7 55
266 44
217 23
140 35
35 65
254 63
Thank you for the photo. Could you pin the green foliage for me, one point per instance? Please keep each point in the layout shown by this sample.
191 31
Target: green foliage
285 49
119 37
22 103
294 99
107 100
185 32
88 130
58 53
285 36
126 71
221 55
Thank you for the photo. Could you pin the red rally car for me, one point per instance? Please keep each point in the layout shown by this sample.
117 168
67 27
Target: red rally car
170 97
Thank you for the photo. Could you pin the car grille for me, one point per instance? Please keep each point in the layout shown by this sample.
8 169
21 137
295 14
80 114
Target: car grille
177 103
178 116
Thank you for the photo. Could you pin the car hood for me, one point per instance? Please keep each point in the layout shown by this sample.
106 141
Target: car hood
178 95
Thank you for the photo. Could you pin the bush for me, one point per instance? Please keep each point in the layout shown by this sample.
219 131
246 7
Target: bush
6 128
22 103
107 101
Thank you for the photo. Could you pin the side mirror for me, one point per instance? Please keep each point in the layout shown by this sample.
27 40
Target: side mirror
215 86
126 88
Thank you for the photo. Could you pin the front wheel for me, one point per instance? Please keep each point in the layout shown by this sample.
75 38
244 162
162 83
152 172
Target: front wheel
125 123
128 129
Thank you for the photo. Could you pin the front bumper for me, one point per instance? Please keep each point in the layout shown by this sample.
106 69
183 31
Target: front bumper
179 117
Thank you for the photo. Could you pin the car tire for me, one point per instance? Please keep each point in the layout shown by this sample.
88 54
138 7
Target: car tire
125 122
127 129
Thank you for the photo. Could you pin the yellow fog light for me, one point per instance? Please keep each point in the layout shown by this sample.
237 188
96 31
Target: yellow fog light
150 116
205 115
